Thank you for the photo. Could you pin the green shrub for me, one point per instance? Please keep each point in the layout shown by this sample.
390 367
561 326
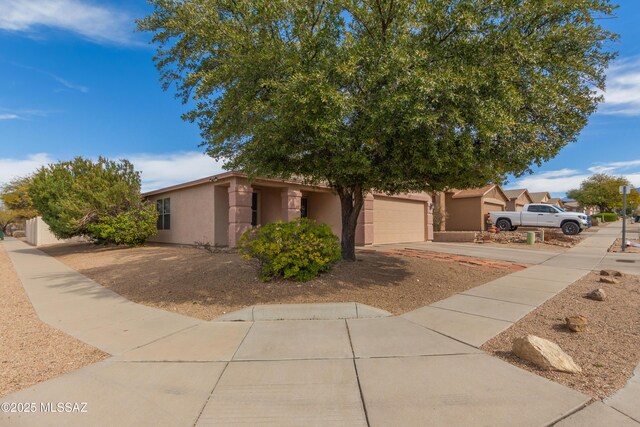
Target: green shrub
607 216
298 250
132 227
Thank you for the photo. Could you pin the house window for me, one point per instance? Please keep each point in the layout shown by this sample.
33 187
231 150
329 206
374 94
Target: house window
304 205
163 206
254 209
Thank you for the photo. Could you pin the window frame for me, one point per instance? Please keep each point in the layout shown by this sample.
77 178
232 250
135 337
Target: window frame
163 207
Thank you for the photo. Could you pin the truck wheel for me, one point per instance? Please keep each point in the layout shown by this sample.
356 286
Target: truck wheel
514 228
503 224
570 228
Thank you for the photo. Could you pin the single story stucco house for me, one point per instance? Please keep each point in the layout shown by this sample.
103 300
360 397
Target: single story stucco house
466 210
219 208
517 199
540 197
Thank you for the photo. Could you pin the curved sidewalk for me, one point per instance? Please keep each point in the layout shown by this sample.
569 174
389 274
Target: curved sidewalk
418 369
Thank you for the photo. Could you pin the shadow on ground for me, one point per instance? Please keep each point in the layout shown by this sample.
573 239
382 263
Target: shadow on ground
205 285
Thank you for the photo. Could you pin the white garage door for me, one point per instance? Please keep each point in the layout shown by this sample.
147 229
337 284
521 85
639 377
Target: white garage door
397 221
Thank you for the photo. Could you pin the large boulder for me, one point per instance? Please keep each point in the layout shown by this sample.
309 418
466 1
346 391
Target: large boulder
544 354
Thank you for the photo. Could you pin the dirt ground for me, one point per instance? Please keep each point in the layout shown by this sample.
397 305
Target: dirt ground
31 351
608 351
617 245
200 284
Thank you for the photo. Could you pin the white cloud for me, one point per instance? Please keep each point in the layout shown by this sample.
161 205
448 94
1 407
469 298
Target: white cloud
164 170
91 21
157 170
12 168
560 181
9 116
622 95
614 167
540 182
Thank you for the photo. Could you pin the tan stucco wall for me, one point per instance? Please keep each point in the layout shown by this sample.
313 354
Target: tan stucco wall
518 204
463 214
221 216
325 208
192 215
269 204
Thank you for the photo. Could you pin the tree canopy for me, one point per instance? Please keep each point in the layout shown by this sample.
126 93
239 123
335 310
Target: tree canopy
15 195
389 95
602 190
8 217
97 199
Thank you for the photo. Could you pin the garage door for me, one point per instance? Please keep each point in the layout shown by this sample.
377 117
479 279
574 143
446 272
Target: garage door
489 207
397 221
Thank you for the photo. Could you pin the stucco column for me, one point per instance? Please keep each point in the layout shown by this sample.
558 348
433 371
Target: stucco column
364 228
428 215
239 209
291 204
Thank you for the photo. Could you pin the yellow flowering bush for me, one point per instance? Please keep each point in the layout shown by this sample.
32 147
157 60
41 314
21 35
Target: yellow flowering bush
299 250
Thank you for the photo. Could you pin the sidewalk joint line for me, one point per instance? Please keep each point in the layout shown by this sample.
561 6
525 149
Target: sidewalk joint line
210 394
355 367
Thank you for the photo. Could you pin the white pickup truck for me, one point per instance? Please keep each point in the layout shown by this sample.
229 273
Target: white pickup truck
540 215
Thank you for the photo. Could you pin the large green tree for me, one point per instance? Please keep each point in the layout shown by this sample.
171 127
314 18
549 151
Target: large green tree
386 95
98 199
603 191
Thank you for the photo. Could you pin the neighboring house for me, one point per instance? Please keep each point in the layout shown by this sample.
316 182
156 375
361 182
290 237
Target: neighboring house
466 210
540 197
218 209
556 201
517 199
573 206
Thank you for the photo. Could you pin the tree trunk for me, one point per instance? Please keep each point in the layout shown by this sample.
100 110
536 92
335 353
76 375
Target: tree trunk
351 201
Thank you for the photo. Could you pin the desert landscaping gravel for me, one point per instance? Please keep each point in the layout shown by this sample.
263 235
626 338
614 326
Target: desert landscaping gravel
205 285
608 351
31 351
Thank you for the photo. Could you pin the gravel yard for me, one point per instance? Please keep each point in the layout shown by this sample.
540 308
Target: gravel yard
555 240
200 284
608 351
31 351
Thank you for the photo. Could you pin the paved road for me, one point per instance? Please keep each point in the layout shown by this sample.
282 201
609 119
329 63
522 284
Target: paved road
423 368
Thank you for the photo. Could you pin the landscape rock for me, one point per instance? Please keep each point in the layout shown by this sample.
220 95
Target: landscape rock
545 354
608 279
597 295
610 273
577 323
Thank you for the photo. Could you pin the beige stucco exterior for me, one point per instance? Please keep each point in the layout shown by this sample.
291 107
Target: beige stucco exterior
466 210
187 228
517 199
218 210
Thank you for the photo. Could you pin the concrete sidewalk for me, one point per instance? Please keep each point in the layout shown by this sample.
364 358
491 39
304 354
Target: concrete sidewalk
423 368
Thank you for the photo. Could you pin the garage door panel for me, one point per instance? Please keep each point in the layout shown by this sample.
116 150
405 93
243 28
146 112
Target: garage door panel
398 221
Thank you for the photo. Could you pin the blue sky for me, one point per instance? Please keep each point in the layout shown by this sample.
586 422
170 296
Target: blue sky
76 80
